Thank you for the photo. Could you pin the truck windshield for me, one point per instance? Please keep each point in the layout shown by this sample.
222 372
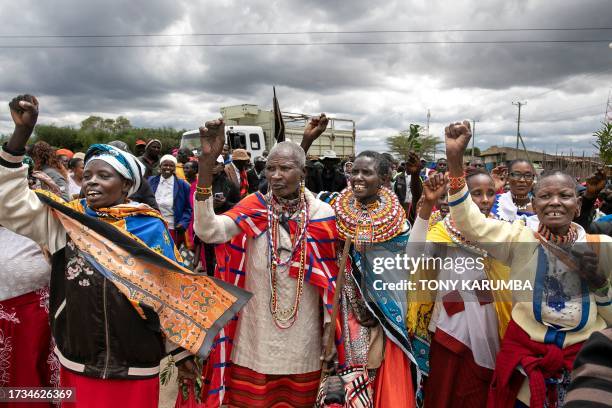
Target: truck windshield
192 142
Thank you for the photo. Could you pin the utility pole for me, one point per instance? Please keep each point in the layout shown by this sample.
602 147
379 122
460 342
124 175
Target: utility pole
473 135
608 117
518 122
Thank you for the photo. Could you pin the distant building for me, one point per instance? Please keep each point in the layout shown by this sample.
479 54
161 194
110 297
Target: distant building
579 166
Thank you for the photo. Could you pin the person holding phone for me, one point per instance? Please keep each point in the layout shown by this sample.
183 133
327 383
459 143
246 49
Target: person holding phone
225 193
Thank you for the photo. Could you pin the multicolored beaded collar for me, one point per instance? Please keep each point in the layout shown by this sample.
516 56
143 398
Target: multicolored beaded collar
562 240
458 239
377 222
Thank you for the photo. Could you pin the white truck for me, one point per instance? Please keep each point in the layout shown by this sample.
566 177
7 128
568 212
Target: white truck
250 127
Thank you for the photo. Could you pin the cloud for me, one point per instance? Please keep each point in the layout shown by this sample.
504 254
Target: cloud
383 88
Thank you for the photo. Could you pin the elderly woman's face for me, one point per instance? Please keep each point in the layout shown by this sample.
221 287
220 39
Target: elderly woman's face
284 174
556 203
365 180
103 186
167 169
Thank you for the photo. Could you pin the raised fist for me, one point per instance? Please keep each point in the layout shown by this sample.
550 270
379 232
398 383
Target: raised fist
315 127
457 137
212 139
24 110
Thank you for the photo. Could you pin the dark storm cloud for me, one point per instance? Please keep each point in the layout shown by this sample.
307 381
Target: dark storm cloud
384 88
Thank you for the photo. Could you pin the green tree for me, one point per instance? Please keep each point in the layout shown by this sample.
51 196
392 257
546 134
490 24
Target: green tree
603 142
412 139
468 151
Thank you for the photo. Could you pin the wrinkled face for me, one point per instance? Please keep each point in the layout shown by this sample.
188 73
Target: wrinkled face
482 190
103 186
153 150
183 155
167 169
365 180
78 170
520 178
556 203
284 174
441 166
190 169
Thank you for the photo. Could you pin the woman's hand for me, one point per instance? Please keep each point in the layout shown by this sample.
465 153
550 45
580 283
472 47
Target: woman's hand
434 188
212 139
499 176
47 181
24 112
588 262
457 138
312 131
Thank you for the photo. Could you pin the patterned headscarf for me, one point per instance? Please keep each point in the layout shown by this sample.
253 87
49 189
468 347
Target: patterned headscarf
124 163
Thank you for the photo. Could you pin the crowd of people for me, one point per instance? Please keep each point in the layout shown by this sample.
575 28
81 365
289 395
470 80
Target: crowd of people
261 279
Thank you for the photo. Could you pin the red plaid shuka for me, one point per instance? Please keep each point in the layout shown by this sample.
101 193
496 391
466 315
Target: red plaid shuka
244 183
321 270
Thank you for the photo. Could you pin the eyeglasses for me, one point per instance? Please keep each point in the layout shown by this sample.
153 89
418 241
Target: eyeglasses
517 176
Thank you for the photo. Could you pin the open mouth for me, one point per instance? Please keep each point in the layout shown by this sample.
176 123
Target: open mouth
93 194
554 214
359 187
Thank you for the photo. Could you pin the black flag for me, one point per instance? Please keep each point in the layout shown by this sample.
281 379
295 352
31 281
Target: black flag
279 125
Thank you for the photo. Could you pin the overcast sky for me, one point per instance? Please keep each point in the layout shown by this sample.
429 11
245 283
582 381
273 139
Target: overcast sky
383 88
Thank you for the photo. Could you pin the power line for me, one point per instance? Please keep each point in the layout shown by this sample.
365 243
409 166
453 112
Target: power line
228 34
299 44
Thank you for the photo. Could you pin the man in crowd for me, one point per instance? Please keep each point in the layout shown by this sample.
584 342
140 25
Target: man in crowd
237 171
332 178
139 147
183 156
256 176
150 158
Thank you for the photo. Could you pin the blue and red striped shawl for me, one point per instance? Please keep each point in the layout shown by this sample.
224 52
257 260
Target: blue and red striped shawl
321 270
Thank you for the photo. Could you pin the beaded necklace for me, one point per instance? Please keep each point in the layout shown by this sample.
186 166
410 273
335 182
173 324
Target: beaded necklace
371 223
562 240
457 237
521 207
280 210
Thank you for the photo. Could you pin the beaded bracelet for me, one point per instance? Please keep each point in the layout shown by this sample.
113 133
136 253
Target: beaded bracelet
204 190
456 183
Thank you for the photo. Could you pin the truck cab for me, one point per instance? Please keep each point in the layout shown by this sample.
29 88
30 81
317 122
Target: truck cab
250 138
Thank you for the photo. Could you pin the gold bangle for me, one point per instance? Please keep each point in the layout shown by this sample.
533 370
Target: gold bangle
204 190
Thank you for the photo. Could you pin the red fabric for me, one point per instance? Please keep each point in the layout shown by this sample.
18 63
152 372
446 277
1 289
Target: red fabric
178 238
98 393
244 183
539 360
455 380
26 347
250 389
250 214
393 386
190 234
